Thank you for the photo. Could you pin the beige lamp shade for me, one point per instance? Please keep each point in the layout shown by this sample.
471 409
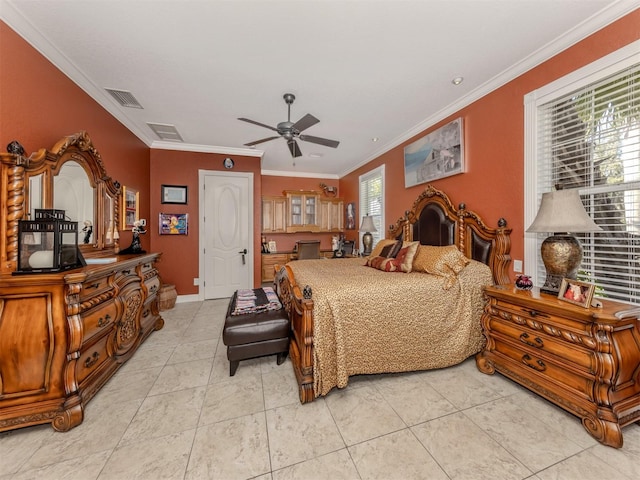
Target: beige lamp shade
562 211
367 224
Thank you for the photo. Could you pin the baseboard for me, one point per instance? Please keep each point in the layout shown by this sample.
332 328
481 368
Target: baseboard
187 298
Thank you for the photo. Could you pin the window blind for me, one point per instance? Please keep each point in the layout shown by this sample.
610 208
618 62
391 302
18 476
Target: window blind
589 139
372 201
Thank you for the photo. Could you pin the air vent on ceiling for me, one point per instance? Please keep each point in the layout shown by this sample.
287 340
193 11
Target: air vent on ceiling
166 132
124 98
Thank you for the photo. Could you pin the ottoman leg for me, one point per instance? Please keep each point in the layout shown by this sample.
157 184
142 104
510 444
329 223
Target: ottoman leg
233 366
281 358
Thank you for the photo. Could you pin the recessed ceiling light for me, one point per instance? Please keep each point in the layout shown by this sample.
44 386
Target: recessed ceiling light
457 80
375 139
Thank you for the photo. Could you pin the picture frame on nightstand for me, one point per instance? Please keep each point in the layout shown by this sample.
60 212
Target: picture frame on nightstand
576 292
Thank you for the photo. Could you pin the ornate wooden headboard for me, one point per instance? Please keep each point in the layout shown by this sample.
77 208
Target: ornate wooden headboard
433 220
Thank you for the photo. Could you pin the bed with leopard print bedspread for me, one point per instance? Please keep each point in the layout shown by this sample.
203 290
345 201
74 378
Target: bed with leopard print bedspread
368 321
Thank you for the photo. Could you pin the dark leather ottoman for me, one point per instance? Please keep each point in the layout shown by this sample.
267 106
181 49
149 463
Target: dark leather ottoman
255 335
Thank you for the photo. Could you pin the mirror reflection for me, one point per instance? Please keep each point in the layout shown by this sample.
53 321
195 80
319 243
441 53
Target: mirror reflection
73 194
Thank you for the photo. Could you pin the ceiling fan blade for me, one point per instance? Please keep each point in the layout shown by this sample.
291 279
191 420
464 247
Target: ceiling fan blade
250 144
258 123
295 150
305 122
320 141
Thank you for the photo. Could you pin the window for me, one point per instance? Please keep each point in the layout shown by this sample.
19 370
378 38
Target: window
583 132
372 201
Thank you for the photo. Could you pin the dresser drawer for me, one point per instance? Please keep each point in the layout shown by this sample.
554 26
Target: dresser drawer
91 358
96 321
94 288
152 284
546 368
536 340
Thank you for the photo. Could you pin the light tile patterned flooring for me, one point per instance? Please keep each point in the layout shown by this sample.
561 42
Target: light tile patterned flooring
173 412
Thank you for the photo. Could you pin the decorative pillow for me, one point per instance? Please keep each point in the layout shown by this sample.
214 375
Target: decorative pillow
377 250
391 250
406 256
445 261
383 263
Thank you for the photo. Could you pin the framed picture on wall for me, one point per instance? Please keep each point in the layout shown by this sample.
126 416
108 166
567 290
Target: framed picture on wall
437 155
130 207
173 194
174 223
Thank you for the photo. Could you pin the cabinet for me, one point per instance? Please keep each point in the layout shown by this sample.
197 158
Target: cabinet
584 360
302 211
63 335
269 260
331 215
274 214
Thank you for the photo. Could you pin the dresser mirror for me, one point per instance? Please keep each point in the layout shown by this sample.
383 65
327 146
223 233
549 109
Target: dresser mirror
71 177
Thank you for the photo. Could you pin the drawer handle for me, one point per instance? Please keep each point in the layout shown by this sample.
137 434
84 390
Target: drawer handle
91 361
95 285
145 314
538 365
534 314
126 272
146 265
537 342
104 321
153 288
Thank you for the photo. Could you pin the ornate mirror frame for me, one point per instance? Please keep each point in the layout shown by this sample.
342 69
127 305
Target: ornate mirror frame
20 173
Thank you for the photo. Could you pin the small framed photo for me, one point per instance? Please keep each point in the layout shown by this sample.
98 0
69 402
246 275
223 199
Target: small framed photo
576 292
174 194
174 223
272 246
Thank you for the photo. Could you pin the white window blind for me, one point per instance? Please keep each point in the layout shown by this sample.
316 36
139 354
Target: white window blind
589 139
372 201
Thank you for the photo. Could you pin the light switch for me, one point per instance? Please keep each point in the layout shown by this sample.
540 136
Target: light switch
517 266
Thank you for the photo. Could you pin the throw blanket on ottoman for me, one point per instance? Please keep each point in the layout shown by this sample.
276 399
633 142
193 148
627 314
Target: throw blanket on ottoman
256 300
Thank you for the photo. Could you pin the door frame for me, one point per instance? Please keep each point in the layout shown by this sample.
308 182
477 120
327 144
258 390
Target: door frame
201 220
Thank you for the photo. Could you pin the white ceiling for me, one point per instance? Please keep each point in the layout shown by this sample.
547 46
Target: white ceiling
364 68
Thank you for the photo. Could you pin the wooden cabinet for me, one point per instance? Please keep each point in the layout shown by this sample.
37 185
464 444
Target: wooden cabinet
302 211
63 335
269 260
274 214
331 215
584 360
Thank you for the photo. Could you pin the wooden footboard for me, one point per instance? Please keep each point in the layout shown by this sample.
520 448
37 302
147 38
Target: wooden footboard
299 307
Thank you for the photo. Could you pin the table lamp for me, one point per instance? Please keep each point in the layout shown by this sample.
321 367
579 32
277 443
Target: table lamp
367 239
561 212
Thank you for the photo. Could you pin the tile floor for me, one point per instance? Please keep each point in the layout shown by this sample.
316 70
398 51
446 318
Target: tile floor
173 412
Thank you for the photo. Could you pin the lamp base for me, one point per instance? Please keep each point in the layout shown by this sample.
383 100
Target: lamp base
367 243
561 255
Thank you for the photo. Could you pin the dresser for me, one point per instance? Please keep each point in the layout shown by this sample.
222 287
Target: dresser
585 360
63 335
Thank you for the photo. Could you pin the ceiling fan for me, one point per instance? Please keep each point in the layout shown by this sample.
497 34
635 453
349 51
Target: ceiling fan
290 131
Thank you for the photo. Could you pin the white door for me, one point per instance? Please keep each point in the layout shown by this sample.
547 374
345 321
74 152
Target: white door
226 236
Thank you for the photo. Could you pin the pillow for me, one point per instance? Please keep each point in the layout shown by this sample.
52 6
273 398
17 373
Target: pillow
377 250
383 263
445 261
406 256
391 250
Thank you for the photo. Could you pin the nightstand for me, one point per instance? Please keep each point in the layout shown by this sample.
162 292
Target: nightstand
585 360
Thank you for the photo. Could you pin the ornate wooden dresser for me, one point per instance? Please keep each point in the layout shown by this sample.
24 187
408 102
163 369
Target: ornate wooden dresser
64 334
585 360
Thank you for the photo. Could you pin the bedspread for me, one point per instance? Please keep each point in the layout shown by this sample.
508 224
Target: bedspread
369 321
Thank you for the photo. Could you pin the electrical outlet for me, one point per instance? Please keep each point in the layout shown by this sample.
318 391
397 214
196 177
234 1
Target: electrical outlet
143 222
196 281
517 266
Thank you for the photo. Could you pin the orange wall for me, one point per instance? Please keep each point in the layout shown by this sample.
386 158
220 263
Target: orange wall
179 264
275 185
39 105
493 184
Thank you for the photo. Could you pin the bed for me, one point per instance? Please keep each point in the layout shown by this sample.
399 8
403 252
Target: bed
351 316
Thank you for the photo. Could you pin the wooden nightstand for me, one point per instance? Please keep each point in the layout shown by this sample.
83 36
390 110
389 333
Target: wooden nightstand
585 360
